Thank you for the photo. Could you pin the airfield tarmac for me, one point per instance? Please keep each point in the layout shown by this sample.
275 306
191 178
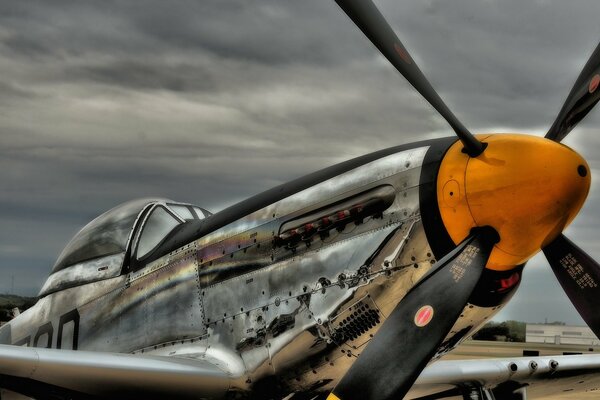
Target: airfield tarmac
474 349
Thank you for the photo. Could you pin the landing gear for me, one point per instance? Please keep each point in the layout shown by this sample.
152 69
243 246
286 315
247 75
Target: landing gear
506 391
477 392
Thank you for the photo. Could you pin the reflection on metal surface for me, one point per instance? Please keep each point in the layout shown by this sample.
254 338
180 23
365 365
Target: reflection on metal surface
252 298
321 222
82 273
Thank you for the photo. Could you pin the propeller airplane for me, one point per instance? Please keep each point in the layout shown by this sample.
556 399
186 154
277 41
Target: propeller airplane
343 284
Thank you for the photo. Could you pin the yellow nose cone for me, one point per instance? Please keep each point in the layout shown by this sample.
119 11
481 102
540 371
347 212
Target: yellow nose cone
528 188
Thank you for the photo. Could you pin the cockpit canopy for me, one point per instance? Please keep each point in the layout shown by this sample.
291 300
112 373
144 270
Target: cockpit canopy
99 250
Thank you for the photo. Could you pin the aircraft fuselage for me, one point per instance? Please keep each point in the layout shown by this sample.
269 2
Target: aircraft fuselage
287 287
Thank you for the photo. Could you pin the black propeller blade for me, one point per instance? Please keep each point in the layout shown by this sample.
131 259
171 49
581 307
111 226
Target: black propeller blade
579 275
583 97
408 339
368 18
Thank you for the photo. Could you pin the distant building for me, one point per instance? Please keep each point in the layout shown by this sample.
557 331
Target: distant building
560 334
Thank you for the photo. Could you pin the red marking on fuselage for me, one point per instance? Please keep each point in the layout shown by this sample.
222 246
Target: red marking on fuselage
424 316
594 83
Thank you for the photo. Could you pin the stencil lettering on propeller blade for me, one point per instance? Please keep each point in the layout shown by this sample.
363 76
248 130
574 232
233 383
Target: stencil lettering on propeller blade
577 272
463 261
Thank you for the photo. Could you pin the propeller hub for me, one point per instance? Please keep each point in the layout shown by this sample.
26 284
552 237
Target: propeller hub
526 187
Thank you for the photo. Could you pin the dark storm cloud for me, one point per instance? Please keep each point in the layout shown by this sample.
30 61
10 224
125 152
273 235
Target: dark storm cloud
138 75
500 59
209 102
26 46
10 91
269 32
266 31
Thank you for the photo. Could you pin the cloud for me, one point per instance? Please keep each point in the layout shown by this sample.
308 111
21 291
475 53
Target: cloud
138 75
210 102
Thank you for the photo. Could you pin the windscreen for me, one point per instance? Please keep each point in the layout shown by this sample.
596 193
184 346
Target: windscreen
104 236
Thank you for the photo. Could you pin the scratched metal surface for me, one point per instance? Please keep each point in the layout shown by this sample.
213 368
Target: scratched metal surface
236 299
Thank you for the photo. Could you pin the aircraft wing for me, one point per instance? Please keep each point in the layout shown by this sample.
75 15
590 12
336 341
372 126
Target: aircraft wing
54 374
541 377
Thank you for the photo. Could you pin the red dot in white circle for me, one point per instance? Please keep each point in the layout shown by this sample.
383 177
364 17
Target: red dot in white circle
594 83
424 316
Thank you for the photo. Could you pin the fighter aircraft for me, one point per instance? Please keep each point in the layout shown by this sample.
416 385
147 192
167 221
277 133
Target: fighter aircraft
343 284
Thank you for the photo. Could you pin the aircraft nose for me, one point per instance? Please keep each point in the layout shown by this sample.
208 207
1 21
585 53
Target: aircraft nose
528 188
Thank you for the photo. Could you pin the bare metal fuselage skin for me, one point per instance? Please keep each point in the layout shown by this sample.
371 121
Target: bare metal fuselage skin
283 310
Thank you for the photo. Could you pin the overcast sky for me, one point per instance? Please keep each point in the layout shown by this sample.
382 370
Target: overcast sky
210 102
